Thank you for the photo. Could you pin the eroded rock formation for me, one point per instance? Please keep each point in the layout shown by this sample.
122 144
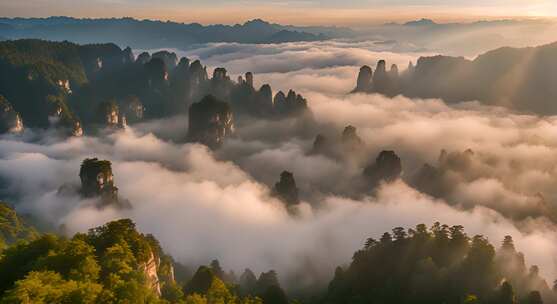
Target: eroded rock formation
350 138
143 58
109 115
97 180
285 189
134 110
210 122
387 168
169 59
10 121
364 79
291 104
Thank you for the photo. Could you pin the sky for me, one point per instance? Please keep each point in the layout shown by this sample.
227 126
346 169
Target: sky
299 12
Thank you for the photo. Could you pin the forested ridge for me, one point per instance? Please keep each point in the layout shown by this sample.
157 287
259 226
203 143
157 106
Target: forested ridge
115 263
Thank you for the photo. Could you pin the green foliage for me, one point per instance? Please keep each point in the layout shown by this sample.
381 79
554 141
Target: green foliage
106 265
33 75
206 287
49 287
13 227
114 263
274 295
201 281
24 257
437 265
471 299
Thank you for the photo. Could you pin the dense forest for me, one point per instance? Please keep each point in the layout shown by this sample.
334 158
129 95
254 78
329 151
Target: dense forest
115 263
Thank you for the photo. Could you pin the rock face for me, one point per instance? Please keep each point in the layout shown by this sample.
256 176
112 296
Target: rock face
219 74
210 122
387 168
60 118
150 269
134 110
320 145
249 79
77 130
291 104
109 115
66 94
350 138
157 72
286 189
382 81
381 78
128 55
221 86
169 59
143 58
10 121
97 180
264 103
364 79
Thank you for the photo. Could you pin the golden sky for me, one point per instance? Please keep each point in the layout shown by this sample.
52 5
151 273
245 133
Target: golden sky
299 12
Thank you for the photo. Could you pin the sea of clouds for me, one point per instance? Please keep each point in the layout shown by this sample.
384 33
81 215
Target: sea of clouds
203 205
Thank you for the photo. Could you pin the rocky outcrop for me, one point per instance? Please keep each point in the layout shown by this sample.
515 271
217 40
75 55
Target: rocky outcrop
410 70
197 77
291 104
517 78
387 168
91 74
219 74
249 79
108 115
61 119
347 145
394 81
143 58
77 129
350 138
127 55
10 121
320 145
285 189
364 80
157 72
150 269
381 81
133 109
210 122
221 86
97 180
264 101
169 59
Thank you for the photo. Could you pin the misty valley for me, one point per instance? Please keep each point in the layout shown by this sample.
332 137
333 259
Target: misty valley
145 161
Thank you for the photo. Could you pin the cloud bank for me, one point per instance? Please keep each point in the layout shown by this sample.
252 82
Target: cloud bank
203 205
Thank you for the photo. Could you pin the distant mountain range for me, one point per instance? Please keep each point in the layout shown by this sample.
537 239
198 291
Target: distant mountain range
146 34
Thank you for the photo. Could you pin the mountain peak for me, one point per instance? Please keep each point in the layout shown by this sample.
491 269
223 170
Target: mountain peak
257 22
421 22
